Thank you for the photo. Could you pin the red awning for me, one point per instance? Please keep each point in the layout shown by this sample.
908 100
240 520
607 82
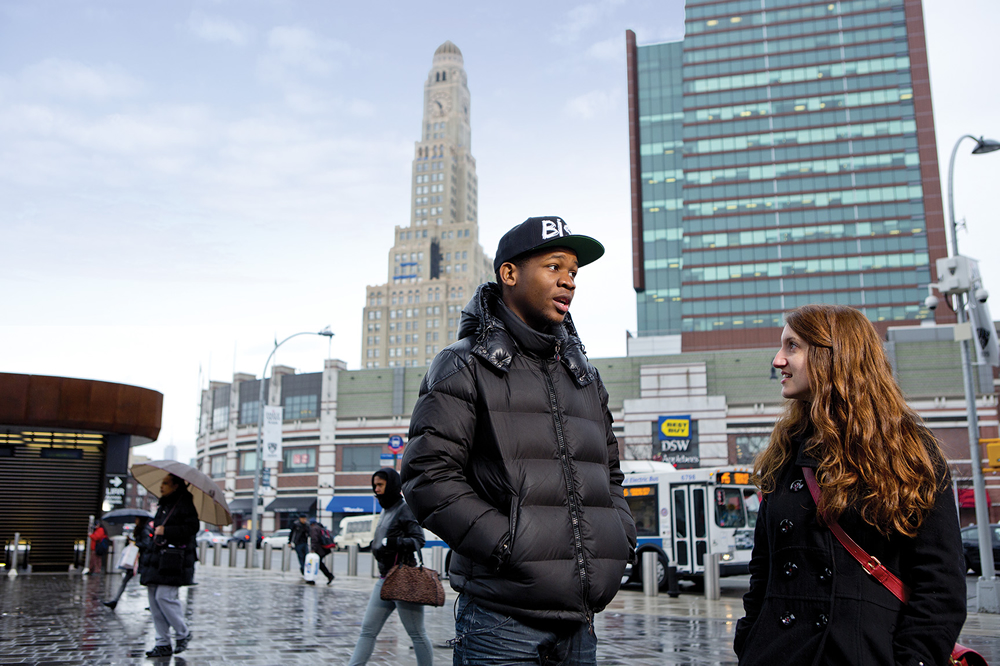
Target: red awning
967 498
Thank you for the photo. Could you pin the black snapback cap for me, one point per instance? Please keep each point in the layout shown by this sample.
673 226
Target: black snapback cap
537 233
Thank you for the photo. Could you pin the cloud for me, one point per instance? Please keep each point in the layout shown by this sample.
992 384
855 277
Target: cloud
609 50
593 104
582 17
215 29
299 50
66 78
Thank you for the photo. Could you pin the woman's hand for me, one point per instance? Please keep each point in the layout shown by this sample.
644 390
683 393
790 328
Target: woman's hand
158 530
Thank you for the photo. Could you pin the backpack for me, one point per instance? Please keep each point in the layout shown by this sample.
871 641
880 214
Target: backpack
325 538
102 546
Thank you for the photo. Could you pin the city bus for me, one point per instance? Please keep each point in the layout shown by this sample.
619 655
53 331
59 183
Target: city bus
683 515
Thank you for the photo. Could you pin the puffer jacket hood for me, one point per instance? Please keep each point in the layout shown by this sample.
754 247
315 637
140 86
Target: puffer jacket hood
494 344
513 463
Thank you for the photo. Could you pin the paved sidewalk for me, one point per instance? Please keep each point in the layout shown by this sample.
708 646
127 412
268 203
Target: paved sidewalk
261 617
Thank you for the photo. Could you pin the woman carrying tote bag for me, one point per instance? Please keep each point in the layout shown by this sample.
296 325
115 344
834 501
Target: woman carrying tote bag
883 478
169 563
397 538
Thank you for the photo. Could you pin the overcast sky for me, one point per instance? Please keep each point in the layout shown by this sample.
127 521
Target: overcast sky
182 182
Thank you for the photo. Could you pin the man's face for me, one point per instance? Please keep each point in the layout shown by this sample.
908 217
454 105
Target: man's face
541 290
302 519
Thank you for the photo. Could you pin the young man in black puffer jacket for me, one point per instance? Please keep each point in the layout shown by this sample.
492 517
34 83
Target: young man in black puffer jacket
512 461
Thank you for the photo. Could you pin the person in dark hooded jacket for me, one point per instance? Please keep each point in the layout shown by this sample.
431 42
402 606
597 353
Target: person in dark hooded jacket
397 538
512 461
169 564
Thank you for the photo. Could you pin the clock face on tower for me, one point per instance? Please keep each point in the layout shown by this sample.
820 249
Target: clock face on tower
440 104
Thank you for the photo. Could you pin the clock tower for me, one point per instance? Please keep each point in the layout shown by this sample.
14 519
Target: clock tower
436 262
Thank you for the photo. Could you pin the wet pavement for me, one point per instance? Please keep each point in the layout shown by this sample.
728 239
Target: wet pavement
268 617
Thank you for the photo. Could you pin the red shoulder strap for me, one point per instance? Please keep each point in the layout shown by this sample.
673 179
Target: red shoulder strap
870 564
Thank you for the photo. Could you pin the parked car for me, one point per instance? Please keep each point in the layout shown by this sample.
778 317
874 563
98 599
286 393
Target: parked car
242 538
970 544
211 537
277 539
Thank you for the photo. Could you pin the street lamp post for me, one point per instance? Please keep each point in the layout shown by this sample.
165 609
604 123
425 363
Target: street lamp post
254 513
986 588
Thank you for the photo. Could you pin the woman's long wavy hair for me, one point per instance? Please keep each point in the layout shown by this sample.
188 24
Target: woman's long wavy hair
874 454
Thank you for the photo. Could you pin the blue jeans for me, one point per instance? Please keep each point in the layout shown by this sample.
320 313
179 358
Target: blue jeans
301 549
487 638
412 617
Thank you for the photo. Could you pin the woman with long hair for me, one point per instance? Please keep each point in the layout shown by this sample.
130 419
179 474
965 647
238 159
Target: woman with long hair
883 478
397 537
168 563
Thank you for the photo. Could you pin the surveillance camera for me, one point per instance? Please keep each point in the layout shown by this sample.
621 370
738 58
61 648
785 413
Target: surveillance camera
982 295
931 302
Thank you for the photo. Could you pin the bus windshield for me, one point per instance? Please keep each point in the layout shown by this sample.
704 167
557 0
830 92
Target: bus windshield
643 503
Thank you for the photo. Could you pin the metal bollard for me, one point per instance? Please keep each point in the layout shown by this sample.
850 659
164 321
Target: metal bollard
286 557
233 552
13 556
712 592
672 590
267 557
374 565
328 560
251 560
437 559
352 560
202 552
117 546
217 554
650 581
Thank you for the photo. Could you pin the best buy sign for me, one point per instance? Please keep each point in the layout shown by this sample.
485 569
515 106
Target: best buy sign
675 427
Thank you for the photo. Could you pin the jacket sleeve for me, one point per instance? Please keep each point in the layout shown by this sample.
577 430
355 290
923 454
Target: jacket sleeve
411 536
759 567
933 566
442 432
617 476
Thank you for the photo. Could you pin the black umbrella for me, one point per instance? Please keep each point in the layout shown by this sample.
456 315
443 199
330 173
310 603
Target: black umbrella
125 515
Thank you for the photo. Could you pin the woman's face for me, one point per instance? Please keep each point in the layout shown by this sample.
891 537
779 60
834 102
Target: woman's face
792 360
167 486
378 484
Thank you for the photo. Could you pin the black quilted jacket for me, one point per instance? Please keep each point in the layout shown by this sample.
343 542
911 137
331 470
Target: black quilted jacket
511 460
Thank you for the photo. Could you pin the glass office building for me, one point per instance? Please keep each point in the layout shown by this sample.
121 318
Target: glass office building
782 153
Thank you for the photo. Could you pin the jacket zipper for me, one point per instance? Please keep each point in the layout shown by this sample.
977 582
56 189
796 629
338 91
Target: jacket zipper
581 559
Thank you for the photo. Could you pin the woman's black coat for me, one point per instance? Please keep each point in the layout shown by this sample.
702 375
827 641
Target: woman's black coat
403 534
810 601
179 518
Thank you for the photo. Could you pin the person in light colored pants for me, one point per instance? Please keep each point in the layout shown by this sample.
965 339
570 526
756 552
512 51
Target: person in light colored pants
410 615
165 605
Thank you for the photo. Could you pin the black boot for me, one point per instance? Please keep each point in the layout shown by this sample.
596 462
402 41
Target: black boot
182 643
111 604
160 651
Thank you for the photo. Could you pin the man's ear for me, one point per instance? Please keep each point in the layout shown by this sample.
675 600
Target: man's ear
508 274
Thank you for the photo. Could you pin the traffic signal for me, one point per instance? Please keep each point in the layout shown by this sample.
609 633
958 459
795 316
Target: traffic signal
992 449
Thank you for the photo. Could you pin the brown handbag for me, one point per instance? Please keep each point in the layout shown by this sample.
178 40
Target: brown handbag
417 585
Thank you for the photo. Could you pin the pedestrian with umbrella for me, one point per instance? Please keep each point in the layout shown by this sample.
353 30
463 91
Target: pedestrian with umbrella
139 536
186 495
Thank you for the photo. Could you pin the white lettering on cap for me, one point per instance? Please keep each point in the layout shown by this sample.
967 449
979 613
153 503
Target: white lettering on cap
554 229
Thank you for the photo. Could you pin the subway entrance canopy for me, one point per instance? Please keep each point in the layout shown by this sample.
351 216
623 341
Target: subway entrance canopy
64 447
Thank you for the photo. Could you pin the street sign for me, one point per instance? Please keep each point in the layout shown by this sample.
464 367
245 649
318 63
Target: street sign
395 443
114 491
386 458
